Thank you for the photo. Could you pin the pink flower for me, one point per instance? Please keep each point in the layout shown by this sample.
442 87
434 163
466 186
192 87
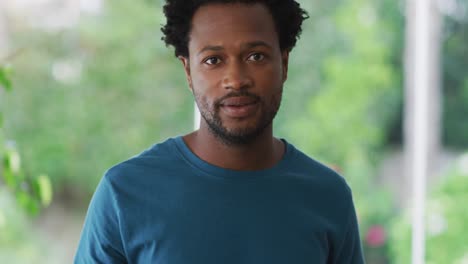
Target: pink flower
376 236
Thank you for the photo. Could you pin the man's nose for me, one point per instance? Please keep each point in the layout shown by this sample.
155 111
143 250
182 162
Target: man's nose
237 77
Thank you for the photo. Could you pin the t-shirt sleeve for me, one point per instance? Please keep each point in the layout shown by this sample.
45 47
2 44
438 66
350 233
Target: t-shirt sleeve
350 250
101 240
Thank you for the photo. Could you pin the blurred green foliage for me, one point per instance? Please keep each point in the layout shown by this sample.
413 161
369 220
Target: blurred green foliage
96 94
4 79
446 217
19 241
18 190
455 82
31 193
446 223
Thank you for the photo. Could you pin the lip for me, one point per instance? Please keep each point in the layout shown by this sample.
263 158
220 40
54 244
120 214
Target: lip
238 101
239 107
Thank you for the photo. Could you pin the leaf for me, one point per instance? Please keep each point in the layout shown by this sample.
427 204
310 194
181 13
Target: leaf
4 79
10 180
27 202
13 161
44 187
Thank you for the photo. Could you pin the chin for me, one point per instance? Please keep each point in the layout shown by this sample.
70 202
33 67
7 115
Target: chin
236 135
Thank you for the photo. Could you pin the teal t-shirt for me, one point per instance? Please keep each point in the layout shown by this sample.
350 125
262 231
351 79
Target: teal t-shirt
167 206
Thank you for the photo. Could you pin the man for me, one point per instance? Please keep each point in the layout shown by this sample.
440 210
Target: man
229 192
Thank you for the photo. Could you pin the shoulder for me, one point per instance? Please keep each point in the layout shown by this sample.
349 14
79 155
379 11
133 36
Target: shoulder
155 158
317 173
328 192
321 187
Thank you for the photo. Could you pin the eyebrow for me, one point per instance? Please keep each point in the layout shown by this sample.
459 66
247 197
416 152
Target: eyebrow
256 44
210 48
248 45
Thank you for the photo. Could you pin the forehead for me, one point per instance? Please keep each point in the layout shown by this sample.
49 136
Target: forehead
223 24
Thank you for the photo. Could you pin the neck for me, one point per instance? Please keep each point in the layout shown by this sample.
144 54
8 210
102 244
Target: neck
262 153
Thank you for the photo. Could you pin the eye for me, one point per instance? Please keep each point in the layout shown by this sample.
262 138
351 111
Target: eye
256 57
212 61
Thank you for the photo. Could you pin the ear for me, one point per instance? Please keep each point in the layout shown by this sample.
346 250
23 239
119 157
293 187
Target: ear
285 63
186 63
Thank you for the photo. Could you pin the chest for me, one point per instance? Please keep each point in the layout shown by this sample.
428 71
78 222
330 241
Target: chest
226 226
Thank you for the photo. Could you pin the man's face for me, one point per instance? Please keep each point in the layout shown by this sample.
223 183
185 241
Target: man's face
235 69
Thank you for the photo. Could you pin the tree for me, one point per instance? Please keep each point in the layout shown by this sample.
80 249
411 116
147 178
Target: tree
96 94
31 193
18 188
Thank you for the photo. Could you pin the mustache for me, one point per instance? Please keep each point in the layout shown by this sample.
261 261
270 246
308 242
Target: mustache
219 101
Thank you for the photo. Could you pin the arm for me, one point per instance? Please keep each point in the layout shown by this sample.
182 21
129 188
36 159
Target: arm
100 238
349 250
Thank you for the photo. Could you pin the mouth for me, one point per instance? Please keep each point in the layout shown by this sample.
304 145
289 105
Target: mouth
238 101
239 107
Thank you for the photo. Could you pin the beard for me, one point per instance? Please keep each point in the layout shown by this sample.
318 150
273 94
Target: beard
242 135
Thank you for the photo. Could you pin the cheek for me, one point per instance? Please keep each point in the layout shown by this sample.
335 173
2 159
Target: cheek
204 101
277 96
204 82
272 84
273 75
207 87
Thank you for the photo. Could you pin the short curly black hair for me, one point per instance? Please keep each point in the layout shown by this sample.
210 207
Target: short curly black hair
287 15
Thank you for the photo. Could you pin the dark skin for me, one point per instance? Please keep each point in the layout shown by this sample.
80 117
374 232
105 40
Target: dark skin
234 49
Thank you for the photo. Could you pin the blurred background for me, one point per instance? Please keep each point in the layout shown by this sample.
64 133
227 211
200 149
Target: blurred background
85 84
